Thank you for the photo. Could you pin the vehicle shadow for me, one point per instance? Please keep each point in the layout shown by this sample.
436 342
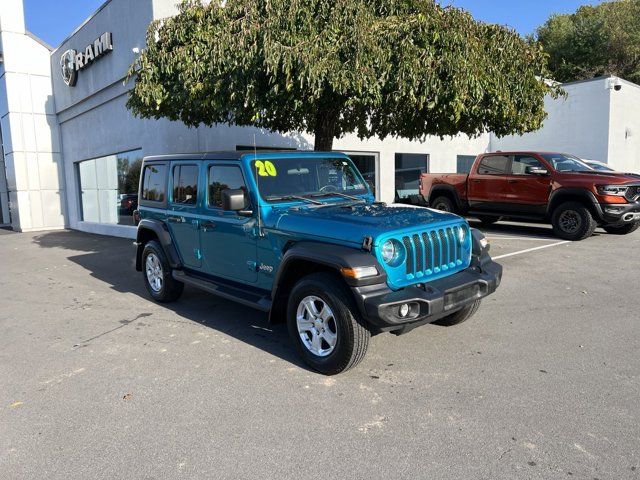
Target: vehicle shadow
111 260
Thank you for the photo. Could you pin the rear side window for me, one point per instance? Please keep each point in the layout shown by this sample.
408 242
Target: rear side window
221 178
154 183
185 184
494 165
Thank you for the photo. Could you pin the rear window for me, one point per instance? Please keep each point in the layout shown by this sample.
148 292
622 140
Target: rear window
154 183
494 165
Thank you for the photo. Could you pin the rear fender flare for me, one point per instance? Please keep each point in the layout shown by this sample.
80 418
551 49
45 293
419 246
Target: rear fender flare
160 231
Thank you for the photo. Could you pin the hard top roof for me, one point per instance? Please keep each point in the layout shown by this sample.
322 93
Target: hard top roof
237 155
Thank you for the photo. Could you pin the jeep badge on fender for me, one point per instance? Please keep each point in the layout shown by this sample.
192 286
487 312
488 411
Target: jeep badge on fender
327 259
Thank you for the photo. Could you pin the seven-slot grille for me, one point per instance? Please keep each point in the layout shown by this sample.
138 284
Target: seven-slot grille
433 251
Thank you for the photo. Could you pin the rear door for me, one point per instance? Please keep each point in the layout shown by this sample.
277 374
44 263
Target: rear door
528 193
487 185
182 212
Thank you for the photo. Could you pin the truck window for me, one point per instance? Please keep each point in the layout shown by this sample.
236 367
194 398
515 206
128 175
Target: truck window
224 177
494 165
521 162
154 183
185 184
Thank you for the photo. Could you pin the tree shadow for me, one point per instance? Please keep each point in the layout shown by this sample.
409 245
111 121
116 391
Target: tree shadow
111 260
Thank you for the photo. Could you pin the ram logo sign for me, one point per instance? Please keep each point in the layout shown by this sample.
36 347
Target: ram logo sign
73 61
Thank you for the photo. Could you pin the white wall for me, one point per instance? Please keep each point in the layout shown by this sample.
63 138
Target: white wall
624 133
29 127
577 124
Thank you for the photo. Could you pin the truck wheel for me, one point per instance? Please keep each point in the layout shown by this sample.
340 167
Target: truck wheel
573 221
444 204
460 316
325 325
623 229
157 274
488 220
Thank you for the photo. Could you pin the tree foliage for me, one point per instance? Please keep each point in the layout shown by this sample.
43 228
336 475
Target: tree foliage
594 41
407 68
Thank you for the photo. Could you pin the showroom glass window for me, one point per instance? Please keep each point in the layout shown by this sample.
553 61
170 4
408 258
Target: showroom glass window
409 166
109 188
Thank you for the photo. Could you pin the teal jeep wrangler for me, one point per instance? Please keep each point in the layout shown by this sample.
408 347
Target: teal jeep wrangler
299 235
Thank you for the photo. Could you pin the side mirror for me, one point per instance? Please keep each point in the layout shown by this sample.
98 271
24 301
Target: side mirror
234 201
536 171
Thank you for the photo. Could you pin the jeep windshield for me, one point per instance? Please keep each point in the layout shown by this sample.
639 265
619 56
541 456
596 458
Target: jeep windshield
566 163
309 179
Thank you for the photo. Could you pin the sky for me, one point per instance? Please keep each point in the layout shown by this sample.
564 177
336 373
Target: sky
54 20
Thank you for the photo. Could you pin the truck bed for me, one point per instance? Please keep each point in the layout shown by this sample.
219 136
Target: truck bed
455 180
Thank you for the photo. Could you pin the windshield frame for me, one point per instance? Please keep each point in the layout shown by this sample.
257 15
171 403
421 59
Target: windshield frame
364 194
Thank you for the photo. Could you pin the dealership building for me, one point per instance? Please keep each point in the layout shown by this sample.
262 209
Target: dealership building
71 151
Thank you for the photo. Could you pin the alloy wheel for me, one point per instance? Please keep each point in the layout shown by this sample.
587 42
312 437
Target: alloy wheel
316 326
154 272
570 221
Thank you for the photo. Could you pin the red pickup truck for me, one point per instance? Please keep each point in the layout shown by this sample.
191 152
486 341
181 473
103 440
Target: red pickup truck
538 186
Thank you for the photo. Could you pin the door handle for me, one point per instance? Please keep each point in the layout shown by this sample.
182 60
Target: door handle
512 181
175 219
475 181
207 225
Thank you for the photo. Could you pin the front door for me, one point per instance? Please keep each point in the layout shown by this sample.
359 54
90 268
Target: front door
182 213
487 186
527 192
229 242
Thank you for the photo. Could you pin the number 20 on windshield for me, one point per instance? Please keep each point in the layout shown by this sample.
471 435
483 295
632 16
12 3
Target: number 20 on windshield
266 169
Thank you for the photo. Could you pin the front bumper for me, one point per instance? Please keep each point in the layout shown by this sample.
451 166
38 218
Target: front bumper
427 302
615 213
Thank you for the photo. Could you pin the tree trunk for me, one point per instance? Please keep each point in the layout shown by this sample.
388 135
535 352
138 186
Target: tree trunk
325 129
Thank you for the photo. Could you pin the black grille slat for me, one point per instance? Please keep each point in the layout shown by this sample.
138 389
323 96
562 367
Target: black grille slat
437 258
445 249
407 246
419 256
452 246
428 252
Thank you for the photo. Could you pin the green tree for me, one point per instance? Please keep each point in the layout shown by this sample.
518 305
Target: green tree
594 41
406 68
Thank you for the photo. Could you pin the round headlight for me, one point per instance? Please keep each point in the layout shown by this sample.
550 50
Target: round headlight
390 252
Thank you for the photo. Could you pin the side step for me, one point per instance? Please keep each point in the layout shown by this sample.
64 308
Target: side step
250 299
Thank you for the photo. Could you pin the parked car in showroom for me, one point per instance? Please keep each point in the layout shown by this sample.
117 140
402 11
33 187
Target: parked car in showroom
299 235
539 186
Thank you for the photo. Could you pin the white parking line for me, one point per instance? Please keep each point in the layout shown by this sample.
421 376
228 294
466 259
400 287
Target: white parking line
530 250
536 239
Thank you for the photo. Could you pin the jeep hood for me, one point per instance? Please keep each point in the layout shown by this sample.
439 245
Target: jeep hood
351 223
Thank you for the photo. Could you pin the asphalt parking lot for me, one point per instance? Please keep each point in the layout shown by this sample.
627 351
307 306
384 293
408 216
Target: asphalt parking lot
98 382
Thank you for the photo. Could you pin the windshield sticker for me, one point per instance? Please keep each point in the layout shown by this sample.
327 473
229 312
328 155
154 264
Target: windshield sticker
266 169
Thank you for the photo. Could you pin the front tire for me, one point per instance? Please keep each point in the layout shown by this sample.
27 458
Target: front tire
325 325
444 204
460 316
573 221
623 229
157 274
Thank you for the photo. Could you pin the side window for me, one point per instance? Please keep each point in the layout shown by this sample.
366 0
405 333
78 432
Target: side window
494 165
154 183
224 177
521 162
185 184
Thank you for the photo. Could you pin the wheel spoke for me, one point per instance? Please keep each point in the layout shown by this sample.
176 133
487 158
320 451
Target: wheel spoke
316 343
329 337
326 313
304 325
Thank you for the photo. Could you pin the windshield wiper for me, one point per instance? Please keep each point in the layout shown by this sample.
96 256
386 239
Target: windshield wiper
294 197
338 194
